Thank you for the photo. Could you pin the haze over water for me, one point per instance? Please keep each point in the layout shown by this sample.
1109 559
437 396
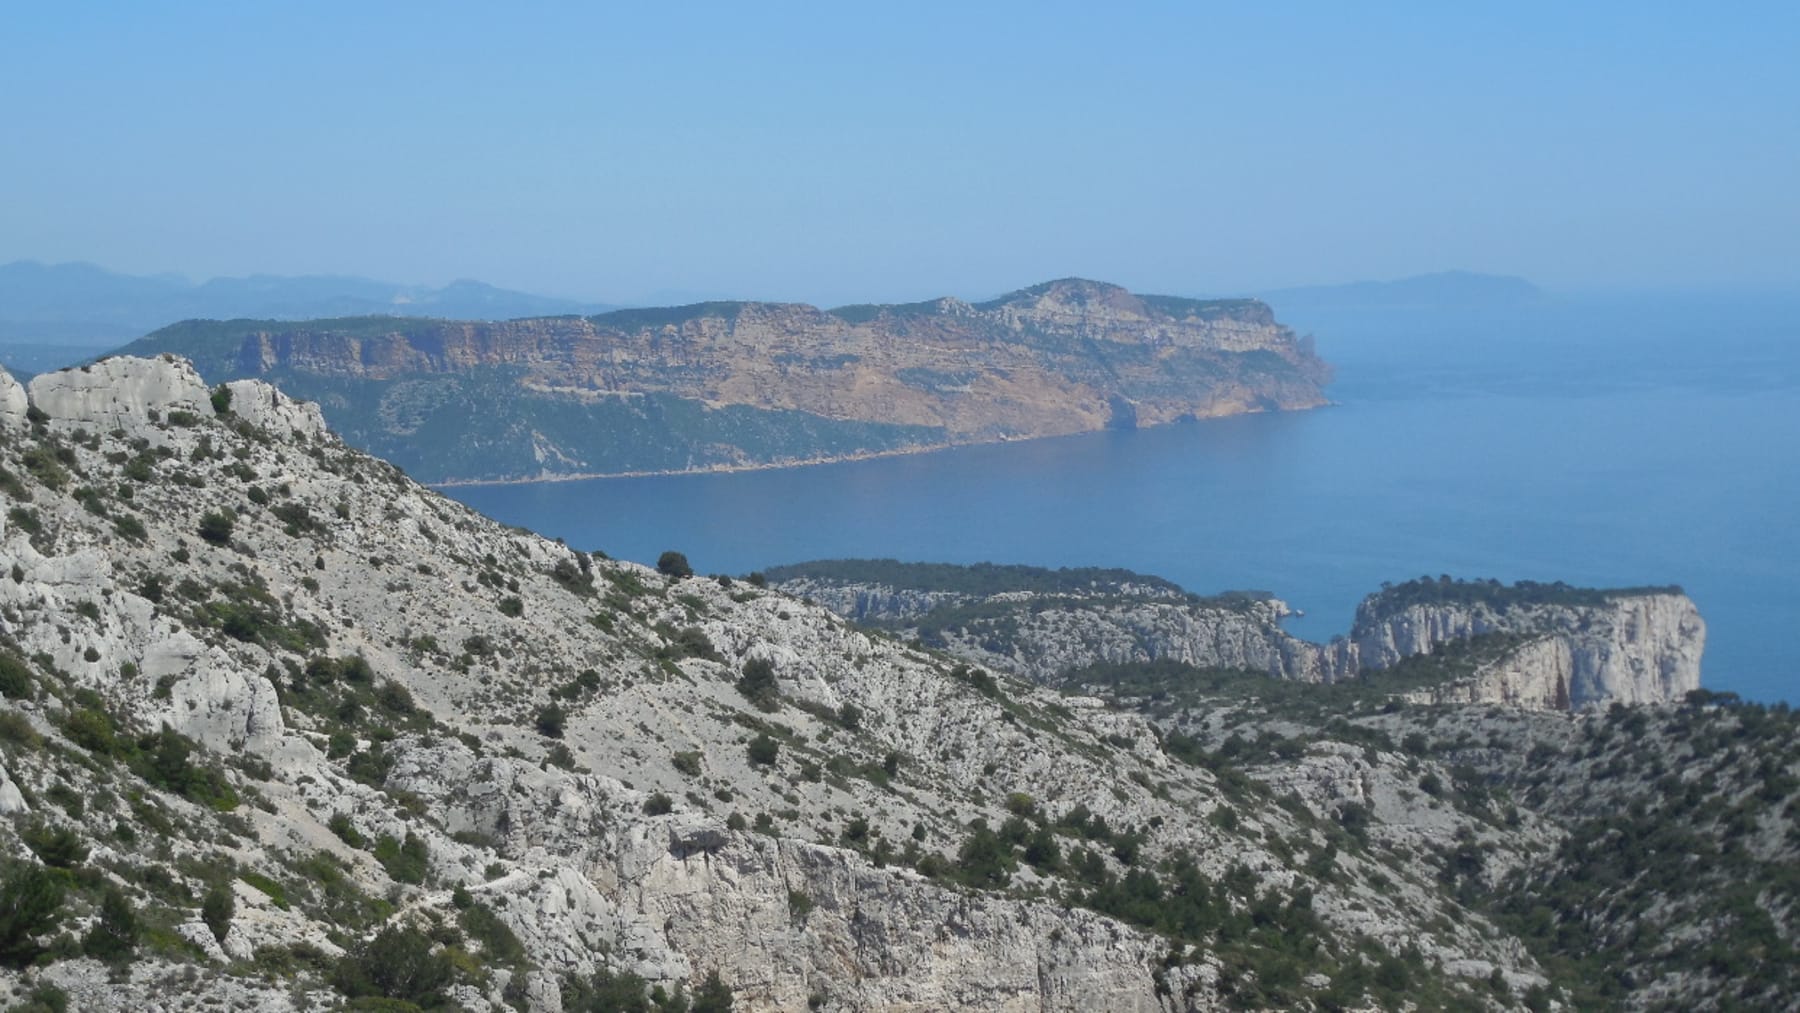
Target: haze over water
1602 443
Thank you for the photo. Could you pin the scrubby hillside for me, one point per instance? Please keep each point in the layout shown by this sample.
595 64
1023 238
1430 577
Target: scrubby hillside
281 728
1648 857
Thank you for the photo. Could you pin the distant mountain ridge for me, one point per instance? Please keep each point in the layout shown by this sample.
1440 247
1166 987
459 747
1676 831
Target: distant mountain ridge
750 384
78 302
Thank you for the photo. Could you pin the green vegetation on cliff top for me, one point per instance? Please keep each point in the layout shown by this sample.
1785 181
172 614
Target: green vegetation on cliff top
973 579
1445 590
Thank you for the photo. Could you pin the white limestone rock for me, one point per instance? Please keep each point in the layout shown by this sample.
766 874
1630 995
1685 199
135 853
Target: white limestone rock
268 409
11 799
13 403
121 393
1632 649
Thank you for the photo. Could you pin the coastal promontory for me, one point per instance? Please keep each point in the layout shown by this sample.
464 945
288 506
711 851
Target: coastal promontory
725 385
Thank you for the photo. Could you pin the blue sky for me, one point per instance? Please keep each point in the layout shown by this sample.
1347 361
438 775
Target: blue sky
828 153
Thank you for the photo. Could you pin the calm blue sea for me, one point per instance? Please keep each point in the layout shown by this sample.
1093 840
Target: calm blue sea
1601 442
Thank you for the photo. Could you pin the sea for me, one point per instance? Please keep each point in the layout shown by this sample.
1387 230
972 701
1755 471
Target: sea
1602 441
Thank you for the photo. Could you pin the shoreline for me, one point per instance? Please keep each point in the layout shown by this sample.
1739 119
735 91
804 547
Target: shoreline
865 455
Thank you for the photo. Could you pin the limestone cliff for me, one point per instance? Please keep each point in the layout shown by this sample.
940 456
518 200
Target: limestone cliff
744 384
1568 649
1581 648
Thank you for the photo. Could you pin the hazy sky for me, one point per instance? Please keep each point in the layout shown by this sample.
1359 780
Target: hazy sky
845 152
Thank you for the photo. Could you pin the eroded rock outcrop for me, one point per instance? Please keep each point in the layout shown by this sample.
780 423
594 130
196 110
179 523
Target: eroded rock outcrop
1628 647
1545 646
122 392
13 402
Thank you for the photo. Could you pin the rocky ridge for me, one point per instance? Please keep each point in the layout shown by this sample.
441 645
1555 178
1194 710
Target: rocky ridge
721 385
240 660
1558 648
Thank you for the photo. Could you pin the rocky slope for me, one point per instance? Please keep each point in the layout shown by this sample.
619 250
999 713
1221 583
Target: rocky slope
281 729
249 670
1649 856
1543 646
721 385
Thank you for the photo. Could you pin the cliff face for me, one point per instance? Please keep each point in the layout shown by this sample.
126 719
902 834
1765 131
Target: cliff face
1636 646
1630 648
1064 357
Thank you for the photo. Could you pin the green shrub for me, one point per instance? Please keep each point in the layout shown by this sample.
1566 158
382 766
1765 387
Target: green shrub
44 467
713 995
163 759
404 861
60 847
551 720
758 684
269 888
295 519
216 527
984 860
688 642
31 900
395 698
673 564
560 756
658 805
15 678
606 992
764 750
26 520
498 941
45 998
345 830
16 728
399 963
217 909
982 680
92 730
687 762
115 935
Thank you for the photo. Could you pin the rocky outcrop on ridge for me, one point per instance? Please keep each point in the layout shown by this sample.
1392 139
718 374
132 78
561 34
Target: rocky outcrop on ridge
1565 648
13 401
743 384
1579 648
